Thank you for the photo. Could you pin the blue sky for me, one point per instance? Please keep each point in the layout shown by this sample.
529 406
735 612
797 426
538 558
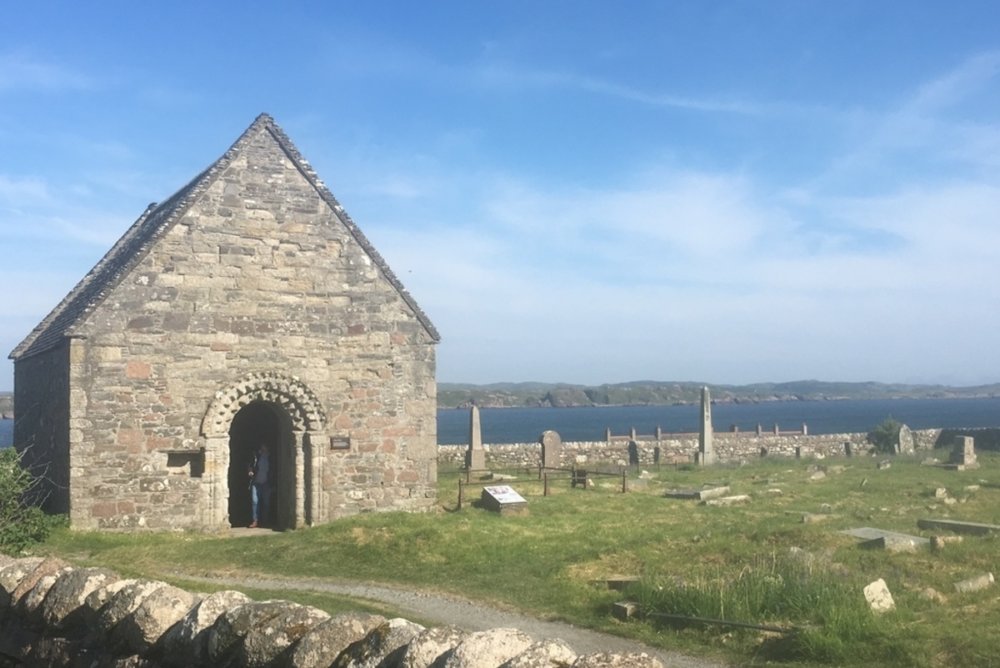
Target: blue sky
586 192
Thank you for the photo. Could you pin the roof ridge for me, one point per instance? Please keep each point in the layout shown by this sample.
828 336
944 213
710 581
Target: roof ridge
131 247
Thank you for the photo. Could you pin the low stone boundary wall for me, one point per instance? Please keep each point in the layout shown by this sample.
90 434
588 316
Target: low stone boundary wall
53 614
728 446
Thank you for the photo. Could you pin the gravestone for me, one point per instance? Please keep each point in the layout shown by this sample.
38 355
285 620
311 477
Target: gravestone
905 445
633 453
958 526
475 456
504 500
706 448
551 449
880 538
699 494
963 454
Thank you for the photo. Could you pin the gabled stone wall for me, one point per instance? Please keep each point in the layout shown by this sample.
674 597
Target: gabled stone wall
255 288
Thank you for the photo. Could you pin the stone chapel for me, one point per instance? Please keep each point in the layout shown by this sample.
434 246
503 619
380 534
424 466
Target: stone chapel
247 309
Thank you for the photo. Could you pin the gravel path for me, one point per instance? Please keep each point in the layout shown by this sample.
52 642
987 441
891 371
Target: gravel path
442 610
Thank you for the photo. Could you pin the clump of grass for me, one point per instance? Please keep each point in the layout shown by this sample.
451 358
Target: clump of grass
825 616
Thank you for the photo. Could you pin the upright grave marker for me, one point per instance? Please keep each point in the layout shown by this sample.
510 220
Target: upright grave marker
551 449
475 456
963 454
906 444
706 449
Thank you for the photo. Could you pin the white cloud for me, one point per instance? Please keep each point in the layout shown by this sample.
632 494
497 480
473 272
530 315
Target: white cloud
968 79
18 191
19 71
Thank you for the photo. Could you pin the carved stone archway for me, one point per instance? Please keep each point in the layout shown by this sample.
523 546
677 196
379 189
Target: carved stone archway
308 427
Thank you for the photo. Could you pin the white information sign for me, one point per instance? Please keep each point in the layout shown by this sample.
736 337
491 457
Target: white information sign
504 494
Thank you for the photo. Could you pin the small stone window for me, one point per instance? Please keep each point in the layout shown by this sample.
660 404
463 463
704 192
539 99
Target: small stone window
191 462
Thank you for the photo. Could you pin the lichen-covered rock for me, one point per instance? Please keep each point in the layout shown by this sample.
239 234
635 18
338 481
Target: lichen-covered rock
11 576
29 608
627 660
123 603
64 605
47 566
322 644
97 599
186 643
137 632
227 633
383 646
488 649
271 639
430 645
544 654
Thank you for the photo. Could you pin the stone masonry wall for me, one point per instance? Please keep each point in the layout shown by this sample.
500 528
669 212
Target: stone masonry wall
42 428
55 615
257 276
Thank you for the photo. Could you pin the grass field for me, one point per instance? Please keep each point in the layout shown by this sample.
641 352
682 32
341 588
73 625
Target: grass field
758 563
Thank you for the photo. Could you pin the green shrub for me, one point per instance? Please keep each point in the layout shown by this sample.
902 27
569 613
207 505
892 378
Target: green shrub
21 525
885 437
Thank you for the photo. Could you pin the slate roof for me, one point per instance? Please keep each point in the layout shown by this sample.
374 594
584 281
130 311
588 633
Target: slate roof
156 220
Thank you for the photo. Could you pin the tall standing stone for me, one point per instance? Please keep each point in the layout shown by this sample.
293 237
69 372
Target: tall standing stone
906 445
475 456
706 449
551 449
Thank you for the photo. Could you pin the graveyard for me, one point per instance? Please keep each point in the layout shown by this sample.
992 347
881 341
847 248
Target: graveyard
832 561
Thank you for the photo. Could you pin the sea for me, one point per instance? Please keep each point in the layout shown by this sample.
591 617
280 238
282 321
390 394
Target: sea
588 423
525 425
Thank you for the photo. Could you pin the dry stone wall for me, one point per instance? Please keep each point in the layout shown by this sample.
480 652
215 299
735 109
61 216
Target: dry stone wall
53 614
681 449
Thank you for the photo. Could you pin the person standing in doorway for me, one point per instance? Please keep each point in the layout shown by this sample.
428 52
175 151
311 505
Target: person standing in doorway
260 487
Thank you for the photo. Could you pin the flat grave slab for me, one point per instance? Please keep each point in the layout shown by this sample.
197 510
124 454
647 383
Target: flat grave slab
885 538
739 499
699 494
503 499
976 528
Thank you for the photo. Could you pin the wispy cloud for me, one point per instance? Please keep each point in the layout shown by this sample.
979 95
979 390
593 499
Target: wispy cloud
16 191
969 78
510 76
20 71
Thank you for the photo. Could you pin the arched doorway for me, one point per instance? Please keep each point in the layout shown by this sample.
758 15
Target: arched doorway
284 412
256 424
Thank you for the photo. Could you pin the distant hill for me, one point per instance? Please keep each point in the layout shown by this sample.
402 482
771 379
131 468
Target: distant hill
662 393
666 393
